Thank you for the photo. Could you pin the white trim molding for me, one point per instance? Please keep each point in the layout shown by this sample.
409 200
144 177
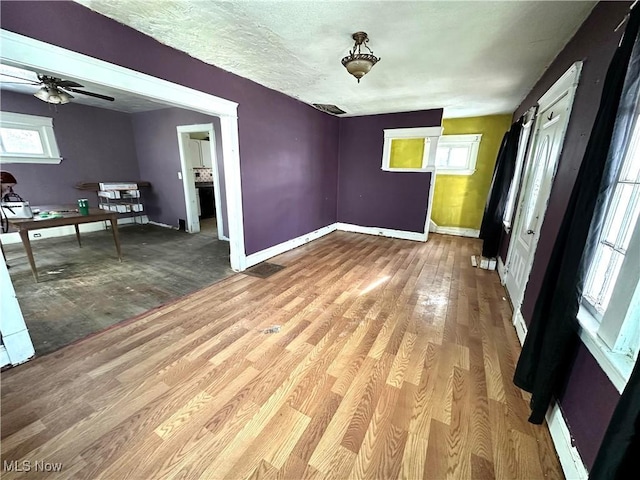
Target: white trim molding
457 231
383 232
570 459
502 271
430 136
270 252
43 126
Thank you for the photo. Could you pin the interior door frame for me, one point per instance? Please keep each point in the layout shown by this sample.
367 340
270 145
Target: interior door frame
22 51
567 84
188 180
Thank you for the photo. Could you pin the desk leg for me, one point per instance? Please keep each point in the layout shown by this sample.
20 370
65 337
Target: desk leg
78 234
116 239
24 236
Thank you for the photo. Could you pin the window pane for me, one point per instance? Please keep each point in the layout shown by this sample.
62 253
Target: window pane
21 141
442 156
634 212
617 213
610 280
631 169
406 153
459 157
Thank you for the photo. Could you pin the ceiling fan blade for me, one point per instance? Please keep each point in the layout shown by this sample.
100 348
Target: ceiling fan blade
21 80
90 94
68 83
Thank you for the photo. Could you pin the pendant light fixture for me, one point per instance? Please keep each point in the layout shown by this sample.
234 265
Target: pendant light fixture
357 63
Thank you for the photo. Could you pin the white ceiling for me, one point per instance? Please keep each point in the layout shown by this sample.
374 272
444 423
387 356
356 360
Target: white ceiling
472 58
124 101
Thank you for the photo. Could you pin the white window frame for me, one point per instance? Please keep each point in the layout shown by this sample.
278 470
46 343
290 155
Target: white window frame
472 142
430 135
44 127
612 338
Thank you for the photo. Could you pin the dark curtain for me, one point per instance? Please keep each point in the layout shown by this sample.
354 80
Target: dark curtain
491 228
549 346
619 454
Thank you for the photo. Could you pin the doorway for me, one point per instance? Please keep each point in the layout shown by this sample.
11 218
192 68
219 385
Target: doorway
202 178
541 162
35 55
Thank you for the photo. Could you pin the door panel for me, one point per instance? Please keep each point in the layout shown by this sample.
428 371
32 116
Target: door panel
551 123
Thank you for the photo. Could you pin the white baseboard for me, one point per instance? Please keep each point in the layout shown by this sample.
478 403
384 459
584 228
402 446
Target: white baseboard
432 226
521 326
570 459
267 253
457 231
383 232
163 225
502 271
14 237
270 252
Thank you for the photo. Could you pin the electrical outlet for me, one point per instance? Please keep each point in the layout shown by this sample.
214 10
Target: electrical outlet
179 175
37 235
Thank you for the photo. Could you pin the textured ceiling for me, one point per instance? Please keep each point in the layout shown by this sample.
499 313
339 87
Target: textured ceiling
124 101
473 58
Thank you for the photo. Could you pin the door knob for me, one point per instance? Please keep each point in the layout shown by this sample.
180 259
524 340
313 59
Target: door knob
530 232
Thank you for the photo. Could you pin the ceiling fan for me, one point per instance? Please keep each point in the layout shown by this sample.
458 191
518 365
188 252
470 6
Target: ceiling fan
56 90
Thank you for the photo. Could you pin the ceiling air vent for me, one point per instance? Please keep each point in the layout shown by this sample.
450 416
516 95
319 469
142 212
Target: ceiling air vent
323 107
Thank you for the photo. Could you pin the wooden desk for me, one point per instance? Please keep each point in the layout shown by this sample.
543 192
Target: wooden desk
25 225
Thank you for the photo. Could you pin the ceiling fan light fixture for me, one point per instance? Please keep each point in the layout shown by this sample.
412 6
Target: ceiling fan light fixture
357 63
53 95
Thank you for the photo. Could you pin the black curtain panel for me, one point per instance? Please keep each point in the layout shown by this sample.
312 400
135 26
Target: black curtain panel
550 343
491 228
619 454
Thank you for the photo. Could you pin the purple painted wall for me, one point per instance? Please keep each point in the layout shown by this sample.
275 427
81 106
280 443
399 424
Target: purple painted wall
590 397
288 150
588 403
369 196
96 145
156 142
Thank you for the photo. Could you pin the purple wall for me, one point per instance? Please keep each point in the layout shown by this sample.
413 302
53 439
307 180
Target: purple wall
369 196
588 403
96 146
590 397
288 150
156 142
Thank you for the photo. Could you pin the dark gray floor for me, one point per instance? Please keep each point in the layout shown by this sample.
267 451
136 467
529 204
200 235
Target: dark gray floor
84 290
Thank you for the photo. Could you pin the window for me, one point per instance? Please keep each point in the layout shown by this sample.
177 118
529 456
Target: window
27 139
457 154
610 307
410 149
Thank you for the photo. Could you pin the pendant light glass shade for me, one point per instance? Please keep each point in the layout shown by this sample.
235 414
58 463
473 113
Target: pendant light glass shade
53 95
357 63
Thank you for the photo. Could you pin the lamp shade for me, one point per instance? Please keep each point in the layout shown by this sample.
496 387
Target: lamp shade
53 95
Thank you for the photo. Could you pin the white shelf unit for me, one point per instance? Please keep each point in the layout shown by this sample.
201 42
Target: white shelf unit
121 197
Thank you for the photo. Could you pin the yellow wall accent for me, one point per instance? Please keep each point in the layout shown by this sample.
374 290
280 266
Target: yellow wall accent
406 153
458 200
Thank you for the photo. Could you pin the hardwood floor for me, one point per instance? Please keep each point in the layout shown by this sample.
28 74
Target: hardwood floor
394 360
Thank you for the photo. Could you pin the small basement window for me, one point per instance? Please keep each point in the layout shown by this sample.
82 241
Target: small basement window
27 139
410 149
457 154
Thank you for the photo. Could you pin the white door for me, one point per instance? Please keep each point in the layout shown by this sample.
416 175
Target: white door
551 125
